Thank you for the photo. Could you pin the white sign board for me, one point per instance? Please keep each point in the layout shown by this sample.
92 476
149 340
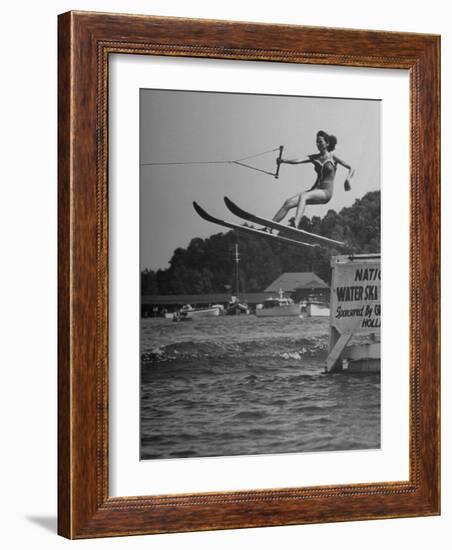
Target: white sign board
355 294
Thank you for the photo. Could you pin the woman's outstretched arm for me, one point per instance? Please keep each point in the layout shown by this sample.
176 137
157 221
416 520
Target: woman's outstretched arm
303 160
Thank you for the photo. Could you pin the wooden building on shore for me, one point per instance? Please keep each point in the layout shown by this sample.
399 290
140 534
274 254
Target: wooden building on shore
301 286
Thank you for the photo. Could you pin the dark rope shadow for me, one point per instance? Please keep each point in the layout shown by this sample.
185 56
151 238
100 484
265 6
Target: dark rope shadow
49 523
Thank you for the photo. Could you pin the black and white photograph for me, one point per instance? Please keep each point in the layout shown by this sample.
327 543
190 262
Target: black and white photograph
198 198
260 274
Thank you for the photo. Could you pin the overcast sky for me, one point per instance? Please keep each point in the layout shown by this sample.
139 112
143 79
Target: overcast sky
180 126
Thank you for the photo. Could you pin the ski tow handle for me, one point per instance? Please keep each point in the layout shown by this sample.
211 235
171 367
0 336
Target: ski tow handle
278 164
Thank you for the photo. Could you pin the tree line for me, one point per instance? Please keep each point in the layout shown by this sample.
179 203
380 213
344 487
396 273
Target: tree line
206 265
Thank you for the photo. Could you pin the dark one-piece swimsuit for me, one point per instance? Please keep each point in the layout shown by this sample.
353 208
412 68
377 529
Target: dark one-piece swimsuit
326 171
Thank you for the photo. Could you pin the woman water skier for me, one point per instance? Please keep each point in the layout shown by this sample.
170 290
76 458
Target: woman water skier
325 166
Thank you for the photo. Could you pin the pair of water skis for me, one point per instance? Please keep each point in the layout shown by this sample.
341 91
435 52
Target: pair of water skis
286 234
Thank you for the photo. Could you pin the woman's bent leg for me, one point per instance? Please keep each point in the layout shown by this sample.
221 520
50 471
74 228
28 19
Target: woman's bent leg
288 205
316 196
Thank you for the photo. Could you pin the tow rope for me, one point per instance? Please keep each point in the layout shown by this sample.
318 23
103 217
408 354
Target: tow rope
239 162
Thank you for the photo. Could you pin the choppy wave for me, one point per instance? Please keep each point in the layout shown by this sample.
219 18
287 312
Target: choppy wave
276 347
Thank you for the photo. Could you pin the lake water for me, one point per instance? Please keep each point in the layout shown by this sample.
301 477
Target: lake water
245 385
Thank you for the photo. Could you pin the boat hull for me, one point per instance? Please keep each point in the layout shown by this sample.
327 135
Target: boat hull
201 313
237 309
318 310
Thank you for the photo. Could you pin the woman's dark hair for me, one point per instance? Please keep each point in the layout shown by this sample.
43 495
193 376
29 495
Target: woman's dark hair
331 140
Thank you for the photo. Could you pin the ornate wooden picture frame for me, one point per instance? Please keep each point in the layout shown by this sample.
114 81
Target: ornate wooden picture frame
86 40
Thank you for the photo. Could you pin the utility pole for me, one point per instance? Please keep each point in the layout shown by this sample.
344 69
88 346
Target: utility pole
236 258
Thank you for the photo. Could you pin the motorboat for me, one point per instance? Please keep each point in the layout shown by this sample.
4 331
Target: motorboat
189 312
278 306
